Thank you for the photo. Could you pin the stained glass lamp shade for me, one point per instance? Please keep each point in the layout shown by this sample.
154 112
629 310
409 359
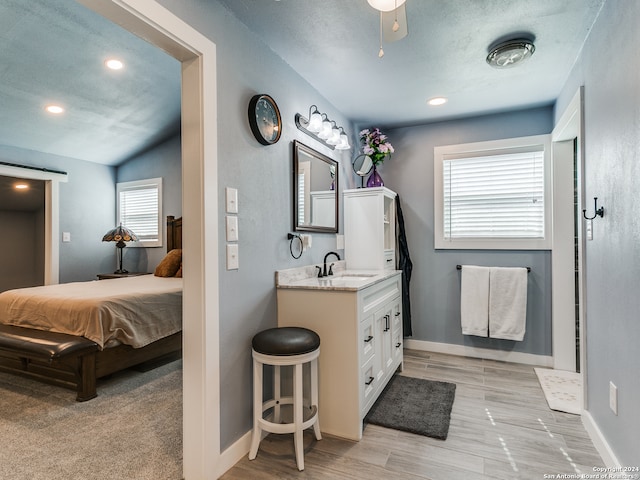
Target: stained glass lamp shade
121 235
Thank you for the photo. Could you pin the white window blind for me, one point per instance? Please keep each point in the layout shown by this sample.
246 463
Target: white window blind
140 209
494 196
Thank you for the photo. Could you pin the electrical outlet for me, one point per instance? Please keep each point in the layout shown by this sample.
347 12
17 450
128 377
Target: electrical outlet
66 236
339 242
613 398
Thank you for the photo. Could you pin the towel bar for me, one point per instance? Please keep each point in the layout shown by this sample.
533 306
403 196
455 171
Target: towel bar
459 267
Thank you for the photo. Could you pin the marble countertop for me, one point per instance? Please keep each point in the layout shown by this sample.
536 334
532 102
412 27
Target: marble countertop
346 280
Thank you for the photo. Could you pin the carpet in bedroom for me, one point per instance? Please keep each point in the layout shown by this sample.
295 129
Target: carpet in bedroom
132 430
414 405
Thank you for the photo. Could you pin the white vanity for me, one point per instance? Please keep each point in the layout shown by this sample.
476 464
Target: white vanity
359 319
357 312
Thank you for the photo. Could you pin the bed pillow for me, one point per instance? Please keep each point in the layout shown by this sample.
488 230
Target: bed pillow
179 272
169 264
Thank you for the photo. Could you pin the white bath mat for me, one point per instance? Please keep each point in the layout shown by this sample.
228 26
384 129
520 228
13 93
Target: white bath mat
562 389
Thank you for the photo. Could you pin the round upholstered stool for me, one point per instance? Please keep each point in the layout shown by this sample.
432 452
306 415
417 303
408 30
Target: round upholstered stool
286 346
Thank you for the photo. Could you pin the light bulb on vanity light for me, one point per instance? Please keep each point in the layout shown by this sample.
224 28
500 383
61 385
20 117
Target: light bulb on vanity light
343 144
315 122
326 130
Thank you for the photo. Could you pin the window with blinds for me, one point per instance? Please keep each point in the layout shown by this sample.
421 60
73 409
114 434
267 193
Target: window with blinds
140 210
493 195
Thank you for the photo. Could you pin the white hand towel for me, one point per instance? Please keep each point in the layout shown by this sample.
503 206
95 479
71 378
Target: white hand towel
474 300
507 303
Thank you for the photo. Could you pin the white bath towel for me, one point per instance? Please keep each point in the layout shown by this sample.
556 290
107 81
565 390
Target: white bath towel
474 300
507 303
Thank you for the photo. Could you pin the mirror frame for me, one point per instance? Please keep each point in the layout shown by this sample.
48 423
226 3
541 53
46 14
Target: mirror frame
297 149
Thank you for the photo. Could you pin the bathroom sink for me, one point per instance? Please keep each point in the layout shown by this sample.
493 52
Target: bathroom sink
357 276
354 277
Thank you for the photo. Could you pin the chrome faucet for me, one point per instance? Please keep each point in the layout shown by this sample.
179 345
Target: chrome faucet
324 271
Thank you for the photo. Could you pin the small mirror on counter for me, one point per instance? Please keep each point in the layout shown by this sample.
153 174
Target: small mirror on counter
315 191
362 166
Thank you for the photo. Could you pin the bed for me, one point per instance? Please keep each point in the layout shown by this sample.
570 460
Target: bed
73 334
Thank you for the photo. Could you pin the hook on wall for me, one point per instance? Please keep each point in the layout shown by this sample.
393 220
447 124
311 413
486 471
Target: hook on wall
599 211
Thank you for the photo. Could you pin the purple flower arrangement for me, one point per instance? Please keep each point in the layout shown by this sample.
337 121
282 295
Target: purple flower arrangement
375 145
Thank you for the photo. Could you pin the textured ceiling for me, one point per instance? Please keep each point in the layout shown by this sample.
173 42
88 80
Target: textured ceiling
53 52
334 45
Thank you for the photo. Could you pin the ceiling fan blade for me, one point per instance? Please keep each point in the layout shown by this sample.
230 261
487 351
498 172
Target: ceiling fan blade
388 20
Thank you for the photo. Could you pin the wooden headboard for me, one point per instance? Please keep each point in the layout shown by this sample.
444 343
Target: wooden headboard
174 232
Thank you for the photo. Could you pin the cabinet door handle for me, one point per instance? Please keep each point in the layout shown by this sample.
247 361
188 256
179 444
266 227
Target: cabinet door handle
386 323
389 260
398 345
368 339
371 379
397 314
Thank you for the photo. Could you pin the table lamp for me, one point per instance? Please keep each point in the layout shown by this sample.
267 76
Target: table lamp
121 235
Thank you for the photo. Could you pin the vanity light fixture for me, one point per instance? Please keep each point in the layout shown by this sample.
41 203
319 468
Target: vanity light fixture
55 109
319 126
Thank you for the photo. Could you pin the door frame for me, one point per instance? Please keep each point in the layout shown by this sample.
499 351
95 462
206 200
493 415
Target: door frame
569 129
201 376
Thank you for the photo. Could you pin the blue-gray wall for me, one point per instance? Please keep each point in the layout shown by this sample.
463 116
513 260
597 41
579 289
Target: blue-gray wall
87 211
435 282
609 69
263 177
165 161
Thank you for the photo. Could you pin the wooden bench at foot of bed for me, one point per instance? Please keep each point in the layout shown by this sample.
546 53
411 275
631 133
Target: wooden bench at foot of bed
71 361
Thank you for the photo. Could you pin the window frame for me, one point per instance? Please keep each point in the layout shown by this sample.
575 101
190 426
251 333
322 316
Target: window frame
492 147
136 185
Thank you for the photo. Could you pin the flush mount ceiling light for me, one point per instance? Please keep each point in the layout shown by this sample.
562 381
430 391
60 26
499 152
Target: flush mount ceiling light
510 53
393 20
21 186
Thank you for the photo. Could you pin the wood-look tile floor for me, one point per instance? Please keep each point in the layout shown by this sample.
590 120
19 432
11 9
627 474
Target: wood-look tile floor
501 428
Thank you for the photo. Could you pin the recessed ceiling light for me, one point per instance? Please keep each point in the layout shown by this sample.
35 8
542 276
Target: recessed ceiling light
21 186
114 64
435 101
55 109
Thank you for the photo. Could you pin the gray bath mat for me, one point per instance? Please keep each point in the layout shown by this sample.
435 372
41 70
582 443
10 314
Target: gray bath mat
414 405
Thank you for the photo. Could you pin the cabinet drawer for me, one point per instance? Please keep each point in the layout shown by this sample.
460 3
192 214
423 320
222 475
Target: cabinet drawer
368 385
389 260
367 339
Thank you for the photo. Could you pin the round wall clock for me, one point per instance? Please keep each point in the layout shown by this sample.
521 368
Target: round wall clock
264 119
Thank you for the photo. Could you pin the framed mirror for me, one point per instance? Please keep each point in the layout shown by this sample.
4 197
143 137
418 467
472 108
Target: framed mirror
315 191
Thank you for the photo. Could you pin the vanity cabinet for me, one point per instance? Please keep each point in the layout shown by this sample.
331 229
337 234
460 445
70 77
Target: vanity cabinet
360 345
370 228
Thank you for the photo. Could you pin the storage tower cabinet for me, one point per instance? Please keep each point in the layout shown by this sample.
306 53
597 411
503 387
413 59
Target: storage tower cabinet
370 229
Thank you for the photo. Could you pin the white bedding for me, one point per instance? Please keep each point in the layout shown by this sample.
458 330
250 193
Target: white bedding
135 311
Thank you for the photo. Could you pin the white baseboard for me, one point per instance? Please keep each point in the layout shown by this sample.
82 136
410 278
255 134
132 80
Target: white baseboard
234 453
599 441
486 353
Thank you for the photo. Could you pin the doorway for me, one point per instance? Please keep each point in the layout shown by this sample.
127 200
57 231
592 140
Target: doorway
201 378
568 330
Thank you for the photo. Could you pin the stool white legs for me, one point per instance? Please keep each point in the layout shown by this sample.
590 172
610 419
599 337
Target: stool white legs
297 415
298 425
257 409
314 396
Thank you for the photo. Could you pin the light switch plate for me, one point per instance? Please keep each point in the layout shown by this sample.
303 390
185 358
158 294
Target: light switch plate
231 195
232 257
339 242
66 236
232 228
